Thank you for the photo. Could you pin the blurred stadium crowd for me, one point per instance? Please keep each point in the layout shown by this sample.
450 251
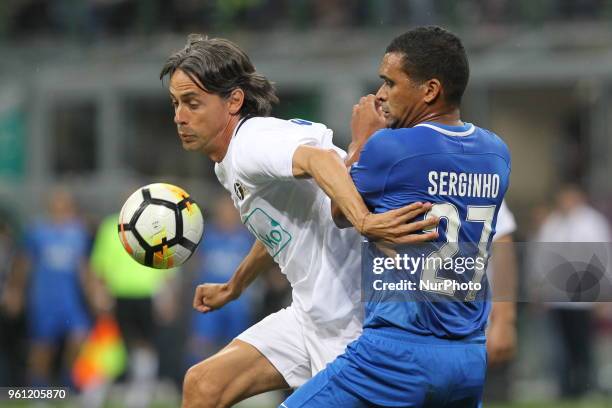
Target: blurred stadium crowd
100 18
66 285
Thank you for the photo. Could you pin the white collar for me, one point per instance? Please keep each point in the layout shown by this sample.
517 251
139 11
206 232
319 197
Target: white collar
449 132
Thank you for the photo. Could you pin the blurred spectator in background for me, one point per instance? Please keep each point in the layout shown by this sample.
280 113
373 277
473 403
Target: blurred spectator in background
226 242
86 19
12 324
114 16
132 288
573 220
52 271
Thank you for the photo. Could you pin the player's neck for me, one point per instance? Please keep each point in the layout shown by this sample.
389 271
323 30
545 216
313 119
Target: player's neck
217 154
448 117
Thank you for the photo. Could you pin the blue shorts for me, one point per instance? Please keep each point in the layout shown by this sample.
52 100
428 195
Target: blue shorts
391 368
50 322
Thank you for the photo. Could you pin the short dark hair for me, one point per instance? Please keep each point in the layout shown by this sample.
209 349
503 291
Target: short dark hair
219 66
433 52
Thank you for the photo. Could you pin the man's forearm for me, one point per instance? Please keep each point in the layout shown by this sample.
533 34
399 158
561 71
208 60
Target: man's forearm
352 157
505 280
257 260
330 173
503 312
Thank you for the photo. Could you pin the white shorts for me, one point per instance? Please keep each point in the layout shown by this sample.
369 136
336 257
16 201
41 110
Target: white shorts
297 350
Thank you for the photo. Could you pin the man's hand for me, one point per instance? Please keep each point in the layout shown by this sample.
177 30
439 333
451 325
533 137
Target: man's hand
392 227
367 118
209 296
212 296
501 342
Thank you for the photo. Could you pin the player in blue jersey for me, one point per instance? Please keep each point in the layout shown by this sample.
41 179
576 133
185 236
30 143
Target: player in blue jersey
423 343
53 270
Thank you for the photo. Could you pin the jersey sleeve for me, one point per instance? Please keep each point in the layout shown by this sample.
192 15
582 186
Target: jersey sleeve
267 152
370 172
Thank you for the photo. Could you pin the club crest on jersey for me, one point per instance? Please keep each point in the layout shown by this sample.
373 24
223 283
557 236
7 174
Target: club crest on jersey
240 190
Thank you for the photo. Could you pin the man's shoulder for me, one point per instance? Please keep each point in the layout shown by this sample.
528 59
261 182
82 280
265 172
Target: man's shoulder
271 124
393 142
38 227
387 134
260 135
260 123
494 139
252 138
591 215
398 136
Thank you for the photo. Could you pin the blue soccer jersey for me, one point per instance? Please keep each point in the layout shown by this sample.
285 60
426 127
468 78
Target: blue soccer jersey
57 252
464 172
422 346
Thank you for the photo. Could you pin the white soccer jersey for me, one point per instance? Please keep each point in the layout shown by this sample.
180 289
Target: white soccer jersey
506 223
292 218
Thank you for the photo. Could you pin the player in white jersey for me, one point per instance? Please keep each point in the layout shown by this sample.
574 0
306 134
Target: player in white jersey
502 273
281 175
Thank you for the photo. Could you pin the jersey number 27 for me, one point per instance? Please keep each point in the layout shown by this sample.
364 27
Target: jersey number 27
448 211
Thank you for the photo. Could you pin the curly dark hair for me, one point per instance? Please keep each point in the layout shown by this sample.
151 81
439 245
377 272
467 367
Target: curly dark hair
433 52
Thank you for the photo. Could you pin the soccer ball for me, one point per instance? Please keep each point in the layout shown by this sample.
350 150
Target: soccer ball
160 225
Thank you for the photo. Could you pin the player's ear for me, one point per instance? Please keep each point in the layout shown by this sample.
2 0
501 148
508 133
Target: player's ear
235 101
433 88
